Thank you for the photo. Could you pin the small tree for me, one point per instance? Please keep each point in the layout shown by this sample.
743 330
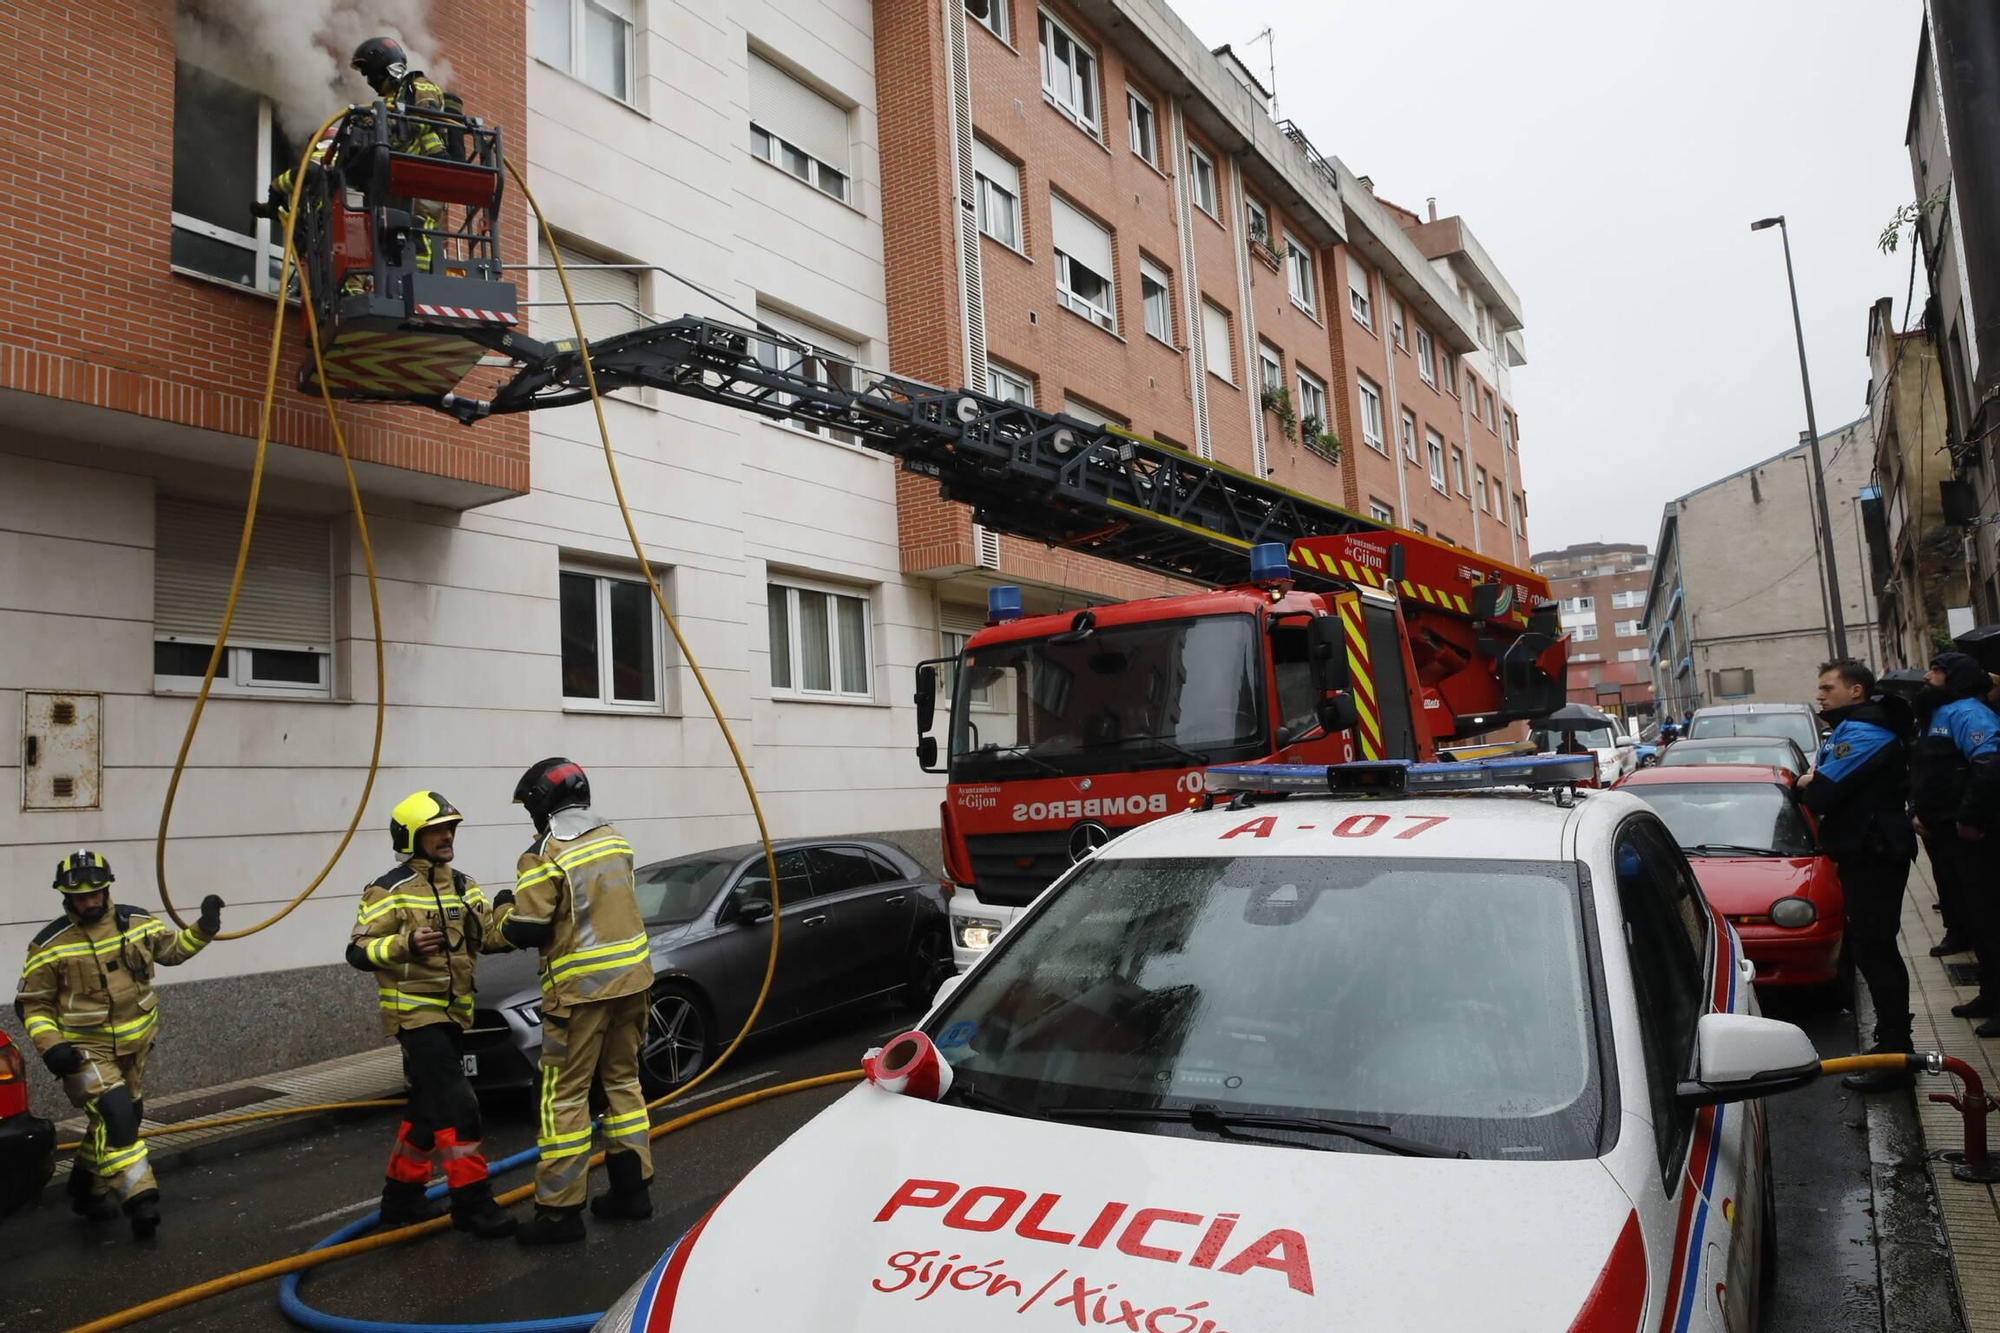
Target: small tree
1909 215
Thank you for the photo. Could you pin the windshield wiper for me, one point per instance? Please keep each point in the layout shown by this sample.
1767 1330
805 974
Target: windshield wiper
1213 1121
1168 742
1729 849
998 751
963 1092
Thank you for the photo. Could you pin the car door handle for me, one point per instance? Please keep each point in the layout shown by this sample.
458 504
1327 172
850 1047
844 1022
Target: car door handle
1746 970
814 920
898 898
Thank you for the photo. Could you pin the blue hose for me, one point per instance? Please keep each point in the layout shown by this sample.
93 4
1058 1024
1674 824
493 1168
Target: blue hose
305 1315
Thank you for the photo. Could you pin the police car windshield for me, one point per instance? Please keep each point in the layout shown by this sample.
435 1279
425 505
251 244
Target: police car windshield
1173 692
1757 816
1441 1000
677 891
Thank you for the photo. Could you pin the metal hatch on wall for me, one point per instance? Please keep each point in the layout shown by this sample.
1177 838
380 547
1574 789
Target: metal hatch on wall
61 759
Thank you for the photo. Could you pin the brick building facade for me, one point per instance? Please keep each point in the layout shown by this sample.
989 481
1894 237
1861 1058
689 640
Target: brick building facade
1602 589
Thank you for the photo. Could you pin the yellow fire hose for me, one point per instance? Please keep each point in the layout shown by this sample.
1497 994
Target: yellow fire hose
201 1291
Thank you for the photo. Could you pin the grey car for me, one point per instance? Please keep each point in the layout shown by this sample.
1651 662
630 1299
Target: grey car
859 920
1798 723
1774 751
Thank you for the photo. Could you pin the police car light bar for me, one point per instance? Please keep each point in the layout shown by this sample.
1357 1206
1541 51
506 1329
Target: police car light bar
1402 777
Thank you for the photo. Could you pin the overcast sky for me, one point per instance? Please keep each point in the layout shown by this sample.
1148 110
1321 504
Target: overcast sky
1610 157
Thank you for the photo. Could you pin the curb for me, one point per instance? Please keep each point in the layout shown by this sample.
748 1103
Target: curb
1916 1271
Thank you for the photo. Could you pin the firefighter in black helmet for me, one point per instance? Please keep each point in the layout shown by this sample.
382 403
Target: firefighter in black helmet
576 902
419 929
386 66
86 999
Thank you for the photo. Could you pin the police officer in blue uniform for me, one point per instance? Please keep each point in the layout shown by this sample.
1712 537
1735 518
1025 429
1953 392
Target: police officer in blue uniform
1858 789
1955 804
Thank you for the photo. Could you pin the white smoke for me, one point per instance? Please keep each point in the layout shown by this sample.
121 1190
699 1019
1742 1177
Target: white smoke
295 52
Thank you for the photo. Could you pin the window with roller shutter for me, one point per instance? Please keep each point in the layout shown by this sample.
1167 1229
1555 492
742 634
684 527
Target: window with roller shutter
1083 265
799 131
608 299
280 640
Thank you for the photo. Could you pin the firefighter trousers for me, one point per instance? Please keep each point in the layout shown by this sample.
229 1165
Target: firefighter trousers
110 1089
443 1117
592 1042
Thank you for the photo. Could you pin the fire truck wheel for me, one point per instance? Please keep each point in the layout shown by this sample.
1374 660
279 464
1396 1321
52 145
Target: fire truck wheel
930 962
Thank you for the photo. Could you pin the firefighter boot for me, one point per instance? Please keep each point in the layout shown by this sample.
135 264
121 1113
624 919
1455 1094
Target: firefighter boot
630 1197
404 1204
473 1210
144 1212
89 1206
552 1226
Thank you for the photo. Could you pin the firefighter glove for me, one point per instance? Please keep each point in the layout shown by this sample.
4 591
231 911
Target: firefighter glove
62 1059
209 922
504 898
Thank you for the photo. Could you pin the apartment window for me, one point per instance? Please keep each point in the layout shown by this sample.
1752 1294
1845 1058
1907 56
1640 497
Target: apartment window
798 131
1009 386
1144 126
819 642
1299 276
998 198
1380 512
1506 428
1426 357
591 39
1312 408
992 16
1584 633
1628 629
1257 221
1083 265
1479 488
1421 528
610 641
952 642
1395 319
1448 363
228 144
1371 415
1357 294
1458 470
1201 179
281 641
1487 396
1156 296
1627 600
1632 655
1434 442
1215 341
1408 427
1069 74
1270 367
812 353
1579 606
1089 414
1520 514
608 299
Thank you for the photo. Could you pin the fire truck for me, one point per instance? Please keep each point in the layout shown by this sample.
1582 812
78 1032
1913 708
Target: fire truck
1317 636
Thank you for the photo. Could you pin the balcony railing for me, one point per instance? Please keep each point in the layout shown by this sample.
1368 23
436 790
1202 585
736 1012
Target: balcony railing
1319 164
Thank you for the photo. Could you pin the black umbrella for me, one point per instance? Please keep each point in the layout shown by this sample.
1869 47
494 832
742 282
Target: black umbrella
1982 645
1903 683
1571 718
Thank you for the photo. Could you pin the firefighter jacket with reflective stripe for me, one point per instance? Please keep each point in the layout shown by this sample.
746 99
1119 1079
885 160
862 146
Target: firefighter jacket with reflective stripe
93 984
417 989
581 891
417 93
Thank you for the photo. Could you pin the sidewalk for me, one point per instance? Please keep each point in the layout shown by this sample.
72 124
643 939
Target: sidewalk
368 1076
1971 1211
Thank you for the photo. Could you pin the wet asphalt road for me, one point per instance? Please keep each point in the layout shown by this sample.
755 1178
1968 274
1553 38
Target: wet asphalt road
264 1201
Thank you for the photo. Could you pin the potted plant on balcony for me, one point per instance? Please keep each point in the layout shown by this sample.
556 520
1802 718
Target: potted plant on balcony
1316 436
1260 244
1278 402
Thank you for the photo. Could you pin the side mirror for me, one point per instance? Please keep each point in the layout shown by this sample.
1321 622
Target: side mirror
1395 563
1740 1057
926 697
1336 713
1326 650
754 911
927 753
1627 743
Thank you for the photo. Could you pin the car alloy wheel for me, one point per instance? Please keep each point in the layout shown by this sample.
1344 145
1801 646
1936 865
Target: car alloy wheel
676 1039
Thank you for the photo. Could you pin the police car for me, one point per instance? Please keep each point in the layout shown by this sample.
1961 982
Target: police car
1369 1047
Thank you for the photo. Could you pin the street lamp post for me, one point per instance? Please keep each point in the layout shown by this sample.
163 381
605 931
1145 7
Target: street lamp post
1812 428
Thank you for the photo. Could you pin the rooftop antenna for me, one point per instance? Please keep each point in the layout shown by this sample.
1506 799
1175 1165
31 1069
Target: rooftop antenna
1270 65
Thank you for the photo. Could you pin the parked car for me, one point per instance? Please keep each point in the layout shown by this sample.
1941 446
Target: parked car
27 1142
1235 1072
1580 727
1755 851
1799 723
1758 751
859 920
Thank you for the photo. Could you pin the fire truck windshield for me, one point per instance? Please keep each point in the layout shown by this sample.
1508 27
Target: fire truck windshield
1124 697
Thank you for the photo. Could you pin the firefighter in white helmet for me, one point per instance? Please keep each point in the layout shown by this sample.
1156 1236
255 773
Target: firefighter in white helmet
419 930
86 999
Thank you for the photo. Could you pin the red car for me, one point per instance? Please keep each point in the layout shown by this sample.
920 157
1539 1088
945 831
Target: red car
27 1142
1757 855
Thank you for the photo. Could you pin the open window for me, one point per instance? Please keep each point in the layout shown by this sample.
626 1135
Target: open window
228 146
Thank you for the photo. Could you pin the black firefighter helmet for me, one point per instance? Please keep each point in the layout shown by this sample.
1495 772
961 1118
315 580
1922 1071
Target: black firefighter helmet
551 786
382 61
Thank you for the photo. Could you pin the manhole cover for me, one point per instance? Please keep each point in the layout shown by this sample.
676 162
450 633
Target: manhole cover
1962 974
215 1103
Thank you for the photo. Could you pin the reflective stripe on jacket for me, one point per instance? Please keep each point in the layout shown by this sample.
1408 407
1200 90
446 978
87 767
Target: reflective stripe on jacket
584 890
415 989
94 983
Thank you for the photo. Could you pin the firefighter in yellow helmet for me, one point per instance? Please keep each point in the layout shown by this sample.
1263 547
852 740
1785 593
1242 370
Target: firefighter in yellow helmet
419 929
86 998
576 902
